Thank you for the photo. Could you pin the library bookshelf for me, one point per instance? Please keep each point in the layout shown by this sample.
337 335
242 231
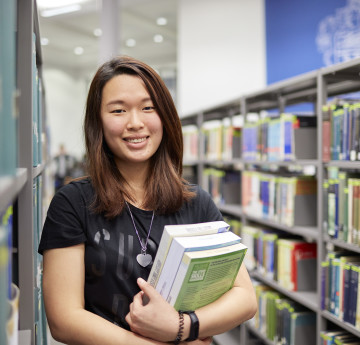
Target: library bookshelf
255 218
24 177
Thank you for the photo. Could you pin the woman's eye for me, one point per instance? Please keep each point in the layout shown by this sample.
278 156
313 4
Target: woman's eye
117 111
149 108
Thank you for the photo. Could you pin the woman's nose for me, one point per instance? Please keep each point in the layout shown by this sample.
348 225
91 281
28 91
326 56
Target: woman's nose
135 120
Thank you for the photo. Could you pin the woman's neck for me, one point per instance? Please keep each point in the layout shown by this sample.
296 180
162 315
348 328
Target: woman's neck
136 177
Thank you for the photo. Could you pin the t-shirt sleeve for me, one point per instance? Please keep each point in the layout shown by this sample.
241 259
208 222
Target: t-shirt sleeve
65 221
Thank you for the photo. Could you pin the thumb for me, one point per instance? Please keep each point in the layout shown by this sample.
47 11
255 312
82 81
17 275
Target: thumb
145 287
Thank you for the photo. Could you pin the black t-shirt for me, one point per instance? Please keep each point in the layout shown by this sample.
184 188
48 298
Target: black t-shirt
111 246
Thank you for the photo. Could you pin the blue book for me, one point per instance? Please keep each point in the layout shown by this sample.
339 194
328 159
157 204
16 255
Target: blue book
288 135
354 280
346 133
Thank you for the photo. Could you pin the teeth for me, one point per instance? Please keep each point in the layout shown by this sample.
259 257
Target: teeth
136 140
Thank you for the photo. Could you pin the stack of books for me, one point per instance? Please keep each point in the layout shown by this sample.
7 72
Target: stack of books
196 263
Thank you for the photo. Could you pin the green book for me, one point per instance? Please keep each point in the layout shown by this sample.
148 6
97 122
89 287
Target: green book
171 231
204 276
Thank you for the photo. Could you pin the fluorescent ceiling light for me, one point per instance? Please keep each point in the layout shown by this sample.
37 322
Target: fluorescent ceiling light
78 50
158 38
61 10
42 4
44 41
97 32
130 42
161 21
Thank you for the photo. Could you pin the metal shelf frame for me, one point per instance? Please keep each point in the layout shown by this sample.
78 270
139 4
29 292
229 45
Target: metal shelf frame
313 87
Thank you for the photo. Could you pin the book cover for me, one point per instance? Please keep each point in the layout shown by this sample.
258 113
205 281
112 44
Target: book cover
297 260
170 231
204 276
325 285
326 141
303 328
354 281
180 245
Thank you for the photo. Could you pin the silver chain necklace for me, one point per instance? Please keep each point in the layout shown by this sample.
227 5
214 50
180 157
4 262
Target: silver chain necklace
143 259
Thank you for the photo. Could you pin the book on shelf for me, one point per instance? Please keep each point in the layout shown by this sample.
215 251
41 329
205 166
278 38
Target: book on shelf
205 275
328 337
190 137
171 231
183 245
249 234
223 185
212 135
303 328
354 132
3 283
296 264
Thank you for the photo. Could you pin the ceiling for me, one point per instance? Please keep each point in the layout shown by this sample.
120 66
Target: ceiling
137 21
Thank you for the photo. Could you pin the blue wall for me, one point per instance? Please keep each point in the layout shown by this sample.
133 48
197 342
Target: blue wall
304 35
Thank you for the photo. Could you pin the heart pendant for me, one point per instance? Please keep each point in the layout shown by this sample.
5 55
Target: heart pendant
144 259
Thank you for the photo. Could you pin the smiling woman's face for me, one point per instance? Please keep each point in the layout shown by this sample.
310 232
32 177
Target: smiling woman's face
132 127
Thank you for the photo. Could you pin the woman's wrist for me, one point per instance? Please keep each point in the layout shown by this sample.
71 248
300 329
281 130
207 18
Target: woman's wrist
187 325
183 328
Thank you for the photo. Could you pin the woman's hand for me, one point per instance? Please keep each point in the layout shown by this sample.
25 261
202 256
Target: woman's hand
156 319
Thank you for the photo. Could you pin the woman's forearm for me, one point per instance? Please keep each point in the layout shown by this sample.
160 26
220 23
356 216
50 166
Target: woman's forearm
81 327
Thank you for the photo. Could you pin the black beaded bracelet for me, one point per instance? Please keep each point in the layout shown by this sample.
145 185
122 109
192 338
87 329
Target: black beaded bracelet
181 328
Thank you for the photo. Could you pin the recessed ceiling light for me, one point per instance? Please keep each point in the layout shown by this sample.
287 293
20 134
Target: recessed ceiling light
97 32
130 42
161 21
57 3
158 38
78 50
60 10
44 41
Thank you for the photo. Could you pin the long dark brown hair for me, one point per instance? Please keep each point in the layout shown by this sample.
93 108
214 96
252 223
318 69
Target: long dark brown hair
166 191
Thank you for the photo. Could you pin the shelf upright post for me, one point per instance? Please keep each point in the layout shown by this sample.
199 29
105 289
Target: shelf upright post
244 332
199 123
25 29
320 100
243 111
282 104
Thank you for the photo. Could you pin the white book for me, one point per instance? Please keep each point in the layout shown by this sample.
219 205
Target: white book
180 245
170 231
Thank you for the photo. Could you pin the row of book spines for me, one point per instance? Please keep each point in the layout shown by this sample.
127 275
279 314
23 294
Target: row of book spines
37 131
6 228
282 320
222 185
342 207
221 142
341 132
273 139
340 286
279 257
338 337
273 197
191 143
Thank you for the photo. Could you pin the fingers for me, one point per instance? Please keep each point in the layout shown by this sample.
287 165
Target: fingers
148 291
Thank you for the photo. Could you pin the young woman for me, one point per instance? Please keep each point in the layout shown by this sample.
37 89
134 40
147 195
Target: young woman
102 232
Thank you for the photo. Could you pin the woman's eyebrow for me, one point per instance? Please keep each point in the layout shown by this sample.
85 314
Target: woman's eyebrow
119 101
